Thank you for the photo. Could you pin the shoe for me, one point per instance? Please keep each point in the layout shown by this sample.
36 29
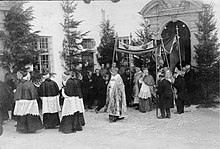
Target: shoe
161 117
112 121
168 116
120 118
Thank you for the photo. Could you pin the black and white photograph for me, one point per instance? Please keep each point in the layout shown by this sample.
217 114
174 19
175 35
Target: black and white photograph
109 74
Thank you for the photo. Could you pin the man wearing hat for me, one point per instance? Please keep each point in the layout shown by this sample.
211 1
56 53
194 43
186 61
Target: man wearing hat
180 86
49 93
165 96
116 99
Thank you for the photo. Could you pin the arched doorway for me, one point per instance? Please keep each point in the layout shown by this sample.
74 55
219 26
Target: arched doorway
184 34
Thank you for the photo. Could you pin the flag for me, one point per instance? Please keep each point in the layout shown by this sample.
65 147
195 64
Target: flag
174 57
169 44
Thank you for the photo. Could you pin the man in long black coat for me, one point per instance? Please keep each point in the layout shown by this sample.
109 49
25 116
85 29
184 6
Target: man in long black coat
165 96
49 93
126 79
6 98
87 88
102 90
95 77
180 85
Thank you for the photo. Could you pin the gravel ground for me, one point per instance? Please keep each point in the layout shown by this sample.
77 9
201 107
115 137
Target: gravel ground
195 129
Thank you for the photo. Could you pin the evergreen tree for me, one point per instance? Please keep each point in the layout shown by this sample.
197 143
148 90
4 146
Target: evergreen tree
106 46
19 39
71 47
207 51
144 36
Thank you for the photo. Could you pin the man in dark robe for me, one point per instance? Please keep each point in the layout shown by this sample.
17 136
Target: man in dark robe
87 88
6 98
102 89
49 93
165 96
73 107
26 107
95 77
180 86
127 82
188 77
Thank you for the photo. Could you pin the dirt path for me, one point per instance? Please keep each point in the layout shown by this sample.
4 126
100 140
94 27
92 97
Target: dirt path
195 129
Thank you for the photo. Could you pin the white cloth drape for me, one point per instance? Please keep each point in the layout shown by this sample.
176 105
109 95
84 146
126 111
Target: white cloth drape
50 104
24 107
72 105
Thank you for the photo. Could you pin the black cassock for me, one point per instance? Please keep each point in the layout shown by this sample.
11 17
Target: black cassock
49 88
72 123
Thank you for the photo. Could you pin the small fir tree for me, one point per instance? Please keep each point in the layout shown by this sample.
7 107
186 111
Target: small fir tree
19 39
144 36
71 48
207 53
106 46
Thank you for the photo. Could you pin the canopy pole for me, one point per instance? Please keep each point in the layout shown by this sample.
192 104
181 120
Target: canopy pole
113 59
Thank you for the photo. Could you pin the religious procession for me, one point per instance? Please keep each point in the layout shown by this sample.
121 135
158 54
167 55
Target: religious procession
108 89
96 74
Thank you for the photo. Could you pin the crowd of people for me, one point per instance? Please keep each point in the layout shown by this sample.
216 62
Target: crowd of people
108 89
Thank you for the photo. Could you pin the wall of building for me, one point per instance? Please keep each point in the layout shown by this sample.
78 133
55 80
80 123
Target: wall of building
48 16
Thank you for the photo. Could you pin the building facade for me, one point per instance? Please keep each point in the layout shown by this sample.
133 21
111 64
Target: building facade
48 19
167 17
4 7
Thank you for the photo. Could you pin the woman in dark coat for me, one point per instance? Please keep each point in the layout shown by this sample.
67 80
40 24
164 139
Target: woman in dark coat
49 93
165 96
26 107
73 107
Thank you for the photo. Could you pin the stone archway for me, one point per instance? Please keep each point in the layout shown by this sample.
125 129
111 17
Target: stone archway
169 12
184 38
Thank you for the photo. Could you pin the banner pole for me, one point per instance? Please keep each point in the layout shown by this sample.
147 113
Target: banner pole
178 42
113 58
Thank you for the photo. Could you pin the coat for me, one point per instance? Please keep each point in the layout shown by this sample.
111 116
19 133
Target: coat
26 91
73 88
48 88
165 94
180 86
6 97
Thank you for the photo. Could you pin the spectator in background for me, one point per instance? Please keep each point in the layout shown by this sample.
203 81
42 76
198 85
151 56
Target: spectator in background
136 88
180 86
6 98
103 71
102 90
94 97
165 93
87 88
127 82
